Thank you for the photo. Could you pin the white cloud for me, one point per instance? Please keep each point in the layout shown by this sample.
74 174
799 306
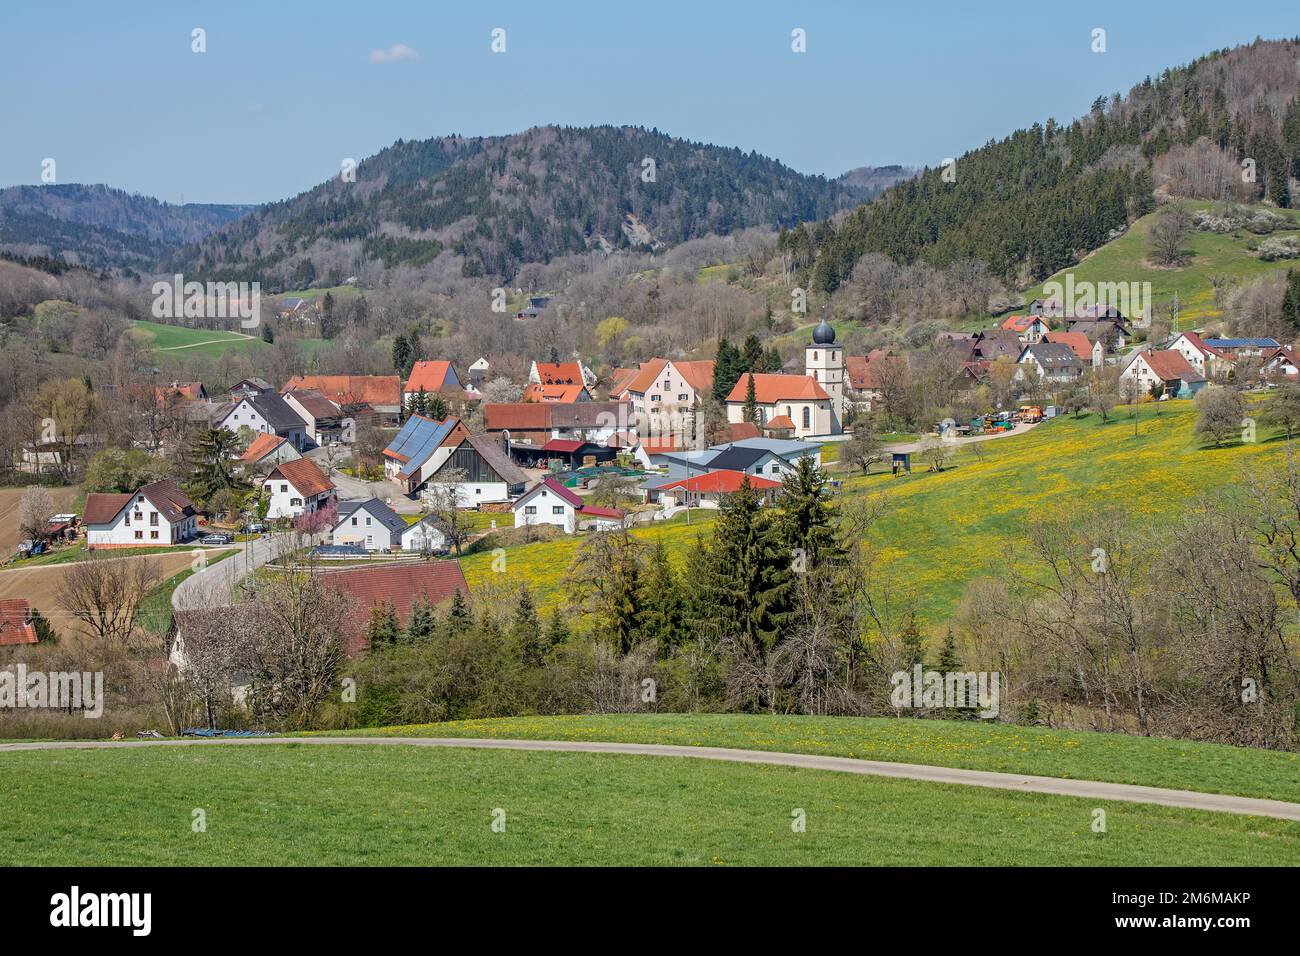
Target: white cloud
397 53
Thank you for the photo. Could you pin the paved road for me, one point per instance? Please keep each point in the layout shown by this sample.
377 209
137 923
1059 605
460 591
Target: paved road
1086 789
354 489
965 439
220 579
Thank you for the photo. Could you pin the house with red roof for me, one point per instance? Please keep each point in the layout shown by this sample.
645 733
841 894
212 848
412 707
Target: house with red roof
562 394
376 396
1028 328
800 398
1211 362
710 490
663 388
1281 364
265 451
549 502
865 375
561 373
16 627
1167 367
432 376
297 488
158 514
1090 353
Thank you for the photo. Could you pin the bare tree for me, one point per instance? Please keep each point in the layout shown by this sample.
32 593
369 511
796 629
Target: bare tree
105 594
443 497
35 509
1170 231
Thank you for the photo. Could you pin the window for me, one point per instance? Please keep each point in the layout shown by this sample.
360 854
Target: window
153 518
354 521
266 488
367 521
478 491
814 356
807 417
683 397
284 487
140 500
295 502
153 535
139 536
530 509
557 509
655 398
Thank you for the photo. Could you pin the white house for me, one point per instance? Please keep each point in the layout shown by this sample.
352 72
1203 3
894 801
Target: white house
424 536
267 414
483 472
297 488
157 515
1166 367
370 524
549 502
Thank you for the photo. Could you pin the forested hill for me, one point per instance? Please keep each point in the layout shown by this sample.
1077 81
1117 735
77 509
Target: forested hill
99 226
496 203
1036 201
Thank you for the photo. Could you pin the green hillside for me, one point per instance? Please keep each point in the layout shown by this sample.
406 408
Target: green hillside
944 530
1227 256
212 342
300 804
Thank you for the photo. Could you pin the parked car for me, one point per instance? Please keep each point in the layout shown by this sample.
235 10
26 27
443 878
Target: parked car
255 527
217 537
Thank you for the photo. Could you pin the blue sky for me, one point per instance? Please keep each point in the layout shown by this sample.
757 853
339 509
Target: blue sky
287 90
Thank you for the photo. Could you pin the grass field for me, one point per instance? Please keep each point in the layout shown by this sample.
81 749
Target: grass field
211 342
1125 260
972 745
942 531
313 805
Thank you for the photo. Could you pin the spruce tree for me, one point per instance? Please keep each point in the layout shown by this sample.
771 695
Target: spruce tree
526 631
806 520
423 621
557 629
385 628
751 403
663 608
457 620
751 591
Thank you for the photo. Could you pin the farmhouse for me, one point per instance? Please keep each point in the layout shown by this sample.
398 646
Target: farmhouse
867 375
1088 352
1210 362
378 397
159 514
994 344
560 394
267 450
1028 328
297 488
1167 367
268 414
371 524
323 420
1113 333
420 449
536 423
1240 347
1280 364
482 470
549 502
1053 362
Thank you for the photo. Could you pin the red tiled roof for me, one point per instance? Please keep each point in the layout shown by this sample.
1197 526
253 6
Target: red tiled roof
566 394
595 511
304 475
560 373
398 585
260 447
1020 323
697 374
778 423
863 371
314 403
1077 341
567 445
1169 364
770 388
14 629
723 481
739 431
168 498
557 489
430 376
374 390
516 416
102 507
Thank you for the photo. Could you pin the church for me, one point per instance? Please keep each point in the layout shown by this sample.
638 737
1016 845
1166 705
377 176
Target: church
798 406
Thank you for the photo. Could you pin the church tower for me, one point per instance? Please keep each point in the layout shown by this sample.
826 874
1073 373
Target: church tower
824 361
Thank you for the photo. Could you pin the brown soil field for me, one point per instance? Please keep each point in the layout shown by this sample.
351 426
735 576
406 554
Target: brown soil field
40 586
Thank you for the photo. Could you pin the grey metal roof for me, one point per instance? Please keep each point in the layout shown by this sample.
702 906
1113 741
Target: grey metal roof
376 507
278 413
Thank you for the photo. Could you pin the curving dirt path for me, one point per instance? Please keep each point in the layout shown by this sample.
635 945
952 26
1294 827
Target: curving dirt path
1086 789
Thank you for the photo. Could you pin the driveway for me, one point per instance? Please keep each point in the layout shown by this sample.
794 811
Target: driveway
1086 789
215 583
354 489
